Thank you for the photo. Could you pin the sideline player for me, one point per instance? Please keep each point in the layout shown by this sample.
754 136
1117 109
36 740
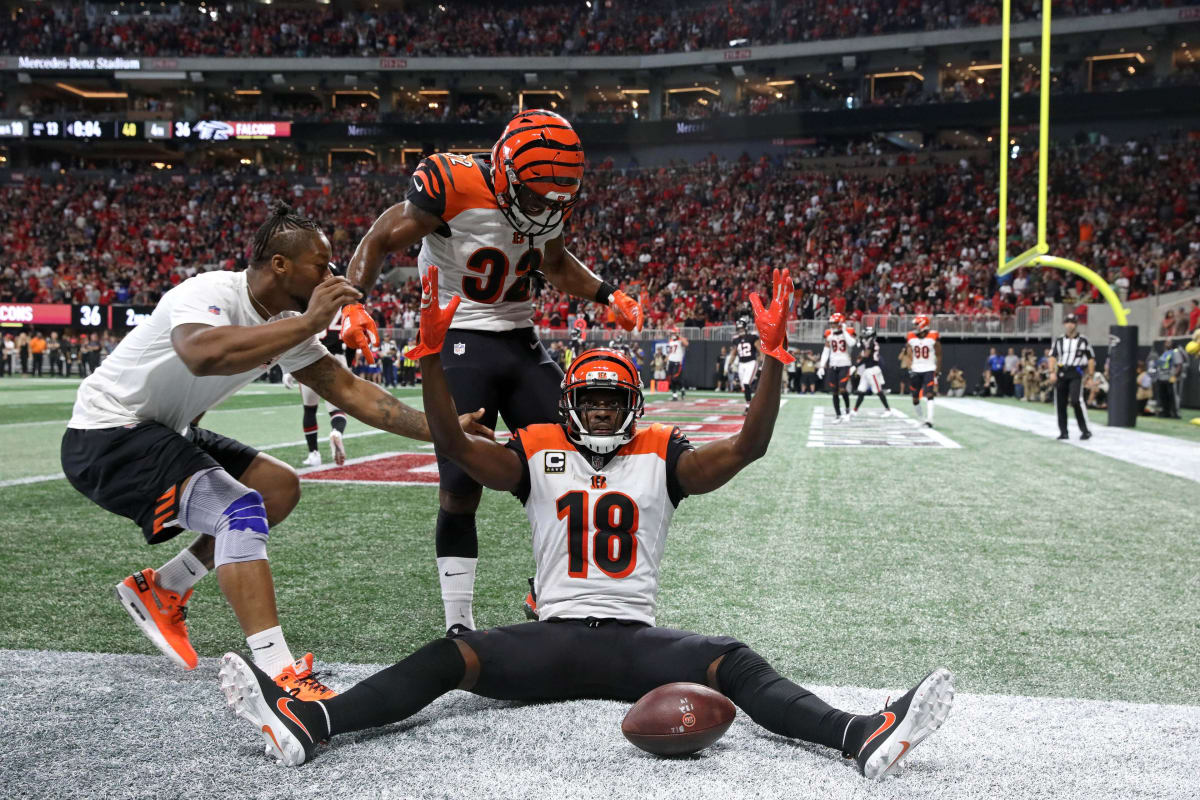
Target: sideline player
133 448
744 345
925 349
309 399
491 224
870 377
839 344
676 350
596 635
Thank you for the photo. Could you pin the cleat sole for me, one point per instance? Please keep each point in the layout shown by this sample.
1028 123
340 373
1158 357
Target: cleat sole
928 710
245 697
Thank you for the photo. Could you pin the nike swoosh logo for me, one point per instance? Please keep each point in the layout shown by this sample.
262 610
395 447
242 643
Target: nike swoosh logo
264 647
889 721
534 346
452 574
282 704
189 569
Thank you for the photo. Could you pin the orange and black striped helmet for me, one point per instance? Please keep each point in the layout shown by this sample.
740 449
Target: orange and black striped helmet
537 171
601 368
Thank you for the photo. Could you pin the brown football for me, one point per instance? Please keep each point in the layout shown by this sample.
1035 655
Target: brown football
678 719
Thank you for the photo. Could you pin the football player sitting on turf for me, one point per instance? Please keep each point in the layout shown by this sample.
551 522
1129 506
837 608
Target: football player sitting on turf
599 491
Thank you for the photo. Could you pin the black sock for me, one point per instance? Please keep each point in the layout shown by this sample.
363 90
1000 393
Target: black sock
456 536
883 399
779 705
858 401
310 427
837 404
338 420
746 389
399 691
846 397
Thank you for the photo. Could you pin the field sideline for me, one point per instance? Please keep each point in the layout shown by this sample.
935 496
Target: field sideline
1072 637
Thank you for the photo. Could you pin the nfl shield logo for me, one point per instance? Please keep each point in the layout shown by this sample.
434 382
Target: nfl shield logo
460 348
214 310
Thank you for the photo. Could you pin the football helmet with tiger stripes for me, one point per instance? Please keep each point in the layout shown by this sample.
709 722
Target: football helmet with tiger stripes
606 369
537 171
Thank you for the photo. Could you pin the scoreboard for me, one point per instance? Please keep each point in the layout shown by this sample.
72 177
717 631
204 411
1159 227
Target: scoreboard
82 316
135 129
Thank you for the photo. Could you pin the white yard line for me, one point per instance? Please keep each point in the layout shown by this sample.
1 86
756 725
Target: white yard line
1150 450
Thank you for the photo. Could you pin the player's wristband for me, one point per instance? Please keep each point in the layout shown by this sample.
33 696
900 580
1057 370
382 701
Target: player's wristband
605 292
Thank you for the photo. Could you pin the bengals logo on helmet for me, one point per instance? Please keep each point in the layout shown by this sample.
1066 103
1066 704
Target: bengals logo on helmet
922 322
837 318
537 171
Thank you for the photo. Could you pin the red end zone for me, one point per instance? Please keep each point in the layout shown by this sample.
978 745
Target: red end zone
404 469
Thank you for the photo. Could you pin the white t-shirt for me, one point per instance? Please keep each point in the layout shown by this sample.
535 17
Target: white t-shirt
145 379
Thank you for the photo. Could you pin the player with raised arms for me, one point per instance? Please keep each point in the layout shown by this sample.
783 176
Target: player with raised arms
925 348
599 492
839 345
133 447
490 223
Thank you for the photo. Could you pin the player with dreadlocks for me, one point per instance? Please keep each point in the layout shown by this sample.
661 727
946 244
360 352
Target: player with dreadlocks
133 445
491 223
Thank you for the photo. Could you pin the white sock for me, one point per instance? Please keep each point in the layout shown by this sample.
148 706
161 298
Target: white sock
457 576
270 651
181 573
929 410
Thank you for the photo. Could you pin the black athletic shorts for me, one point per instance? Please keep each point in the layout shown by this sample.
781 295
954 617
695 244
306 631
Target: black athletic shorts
137 471
923 382
839 378
600 659
506 372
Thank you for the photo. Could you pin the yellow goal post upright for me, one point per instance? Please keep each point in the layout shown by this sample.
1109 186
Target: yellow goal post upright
1122 340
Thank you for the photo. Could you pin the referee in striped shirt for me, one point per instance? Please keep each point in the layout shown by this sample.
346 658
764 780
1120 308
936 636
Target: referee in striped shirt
1071 360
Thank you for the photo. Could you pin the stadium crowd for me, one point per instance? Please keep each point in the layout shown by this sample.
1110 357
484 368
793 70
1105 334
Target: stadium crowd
696 239
498 28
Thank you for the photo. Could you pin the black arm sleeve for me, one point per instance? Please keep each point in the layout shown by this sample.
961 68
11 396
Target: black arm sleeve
427 188
677 446
522 490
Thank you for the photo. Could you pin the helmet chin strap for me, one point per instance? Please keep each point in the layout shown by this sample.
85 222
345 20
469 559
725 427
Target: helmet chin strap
600 444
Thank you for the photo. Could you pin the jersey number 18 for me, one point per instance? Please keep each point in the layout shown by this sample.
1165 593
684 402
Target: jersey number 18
614 545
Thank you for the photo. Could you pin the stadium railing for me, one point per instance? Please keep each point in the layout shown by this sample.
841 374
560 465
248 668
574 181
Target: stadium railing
1029 322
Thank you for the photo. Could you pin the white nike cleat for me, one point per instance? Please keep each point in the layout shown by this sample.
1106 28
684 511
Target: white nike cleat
337 447
313 459
904 724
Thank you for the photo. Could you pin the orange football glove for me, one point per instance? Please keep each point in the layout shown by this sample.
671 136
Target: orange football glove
626 311
772 321
435 320
359 331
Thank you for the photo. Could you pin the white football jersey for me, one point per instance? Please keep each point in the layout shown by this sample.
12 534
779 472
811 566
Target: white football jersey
479 256
838 346
145 379
599 528
675 350
924 351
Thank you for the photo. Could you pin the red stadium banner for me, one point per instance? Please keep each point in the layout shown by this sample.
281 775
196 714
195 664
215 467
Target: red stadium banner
17 314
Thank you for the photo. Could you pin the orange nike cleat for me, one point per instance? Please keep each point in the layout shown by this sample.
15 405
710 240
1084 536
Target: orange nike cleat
302 683
160 614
